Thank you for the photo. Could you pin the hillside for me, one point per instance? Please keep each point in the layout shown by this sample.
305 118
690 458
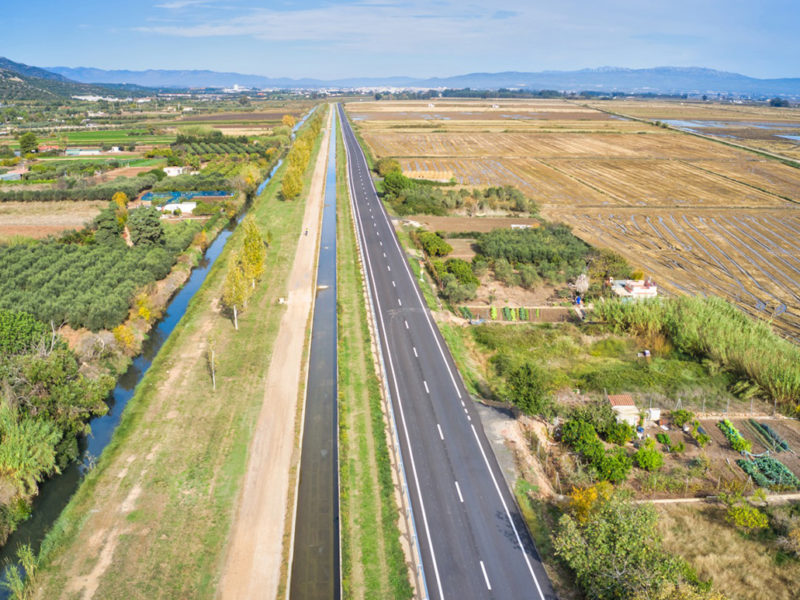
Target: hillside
24 82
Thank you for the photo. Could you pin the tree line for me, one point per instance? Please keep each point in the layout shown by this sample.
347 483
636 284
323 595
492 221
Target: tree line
299 156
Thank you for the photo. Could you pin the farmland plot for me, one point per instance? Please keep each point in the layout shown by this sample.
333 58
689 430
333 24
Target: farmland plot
700 217
749 257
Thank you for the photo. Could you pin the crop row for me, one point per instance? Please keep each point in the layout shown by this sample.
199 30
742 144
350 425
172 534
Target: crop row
735 438
768 472
221 148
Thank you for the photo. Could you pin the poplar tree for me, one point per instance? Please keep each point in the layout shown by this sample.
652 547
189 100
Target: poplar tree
254 253
234 292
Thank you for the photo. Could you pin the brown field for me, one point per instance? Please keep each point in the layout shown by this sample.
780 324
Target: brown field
243 116
748 256
40 219
456 224
758 127
700 217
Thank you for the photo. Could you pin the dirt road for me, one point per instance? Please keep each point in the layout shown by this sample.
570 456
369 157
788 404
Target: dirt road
253 559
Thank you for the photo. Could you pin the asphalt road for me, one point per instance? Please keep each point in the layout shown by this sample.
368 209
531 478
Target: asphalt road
472 538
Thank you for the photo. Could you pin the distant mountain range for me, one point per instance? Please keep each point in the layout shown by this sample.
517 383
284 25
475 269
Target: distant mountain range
664 80
18 80
23 82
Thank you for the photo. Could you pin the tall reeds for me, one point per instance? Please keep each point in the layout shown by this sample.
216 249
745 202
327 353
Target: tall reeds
715 329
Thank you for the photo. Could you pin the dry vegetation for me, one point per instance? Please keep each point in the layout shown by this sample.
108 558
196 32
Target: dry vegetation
40 219
746 568
699 216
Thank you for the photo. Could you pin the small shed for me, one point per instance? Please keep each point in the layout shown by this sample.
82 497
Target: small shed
625 409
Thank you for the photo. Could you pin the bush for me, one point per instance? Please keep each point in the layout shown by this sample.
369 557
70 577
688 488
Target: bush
384 166
20 332
456 292
681 417
620 434
648 458
528 389
433 245
462 271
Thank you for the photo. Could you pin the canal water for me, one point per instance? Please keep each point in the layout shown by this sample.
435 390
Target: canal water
315 563
55 493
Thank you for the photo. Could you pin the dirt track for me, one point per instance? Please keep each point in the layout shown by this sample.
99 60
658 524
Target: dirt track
253 559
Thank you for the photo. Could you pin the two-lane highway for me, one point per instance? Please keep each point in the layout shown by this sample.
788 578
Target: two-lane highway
473 541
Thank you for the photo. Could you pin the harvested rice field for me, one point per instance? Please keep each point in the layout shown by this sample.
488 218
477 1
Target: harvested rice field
700 217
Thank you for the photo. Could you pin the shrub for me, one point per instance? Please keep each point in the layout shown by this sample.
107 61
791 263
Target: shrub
746 517
384 166
614 466
527 386
648 458
433 245
620 434
681 417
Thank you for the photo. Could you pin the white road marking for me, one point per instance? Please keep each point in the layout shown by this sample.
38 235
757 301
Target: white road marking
460 497
441 435
486 577
414 348
508 515
384 255
381 243
382 328
406 322
425 383
388 267
393 284
400 302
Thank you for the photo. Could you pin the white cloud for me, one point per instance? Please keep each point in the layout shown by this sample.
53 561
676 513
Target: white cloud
180 4
357 23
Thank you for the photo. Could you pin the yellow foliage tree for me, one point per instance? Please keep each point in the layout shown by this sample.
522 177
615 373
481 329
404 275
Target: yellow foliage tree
125 338
582 501
254 254
144 307
288 120
234 291
120 199
292 184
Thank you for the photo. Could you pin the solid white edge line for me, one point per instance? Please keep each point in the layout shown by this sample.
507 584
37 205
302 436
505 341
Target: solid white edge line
508 514
486 577
460 497
458 392
382 326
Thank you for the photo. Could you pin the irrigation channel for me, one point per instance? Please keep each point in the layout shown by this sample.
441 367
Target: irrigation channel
315 571
55 493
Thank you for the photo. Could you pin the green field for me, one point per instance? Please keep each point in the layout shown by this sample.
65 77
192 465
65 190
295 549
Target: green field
116 136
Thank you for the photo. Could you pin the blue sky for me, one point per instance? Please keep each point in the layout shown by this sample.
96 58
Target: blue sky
418 38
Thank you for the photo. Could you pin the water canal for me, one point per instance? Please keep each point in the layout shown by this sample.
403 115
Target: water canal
315 563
